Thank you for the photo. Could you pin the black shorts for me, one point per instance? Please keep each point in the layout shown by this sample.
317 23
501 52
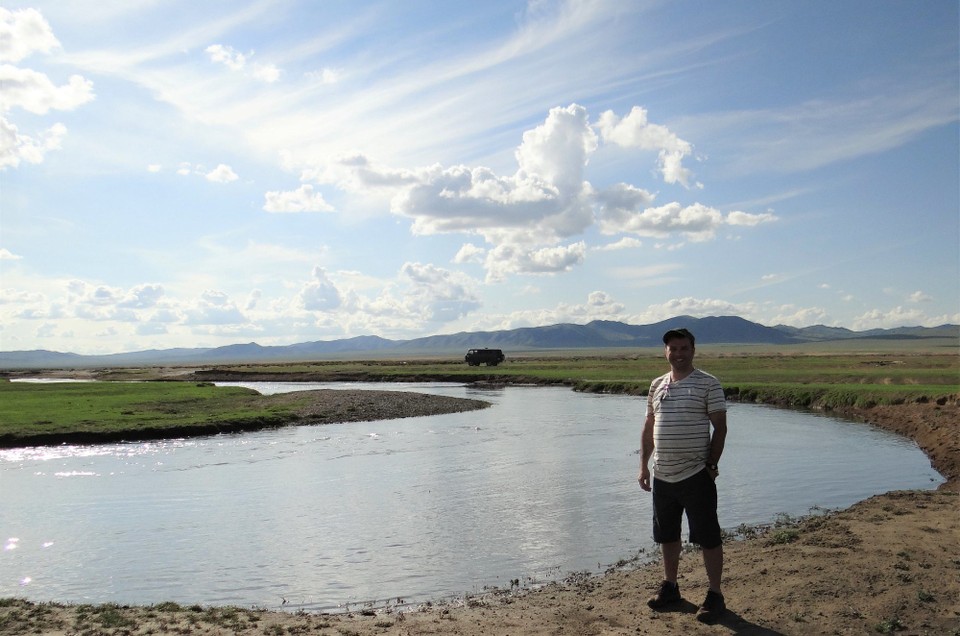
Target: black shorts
697 496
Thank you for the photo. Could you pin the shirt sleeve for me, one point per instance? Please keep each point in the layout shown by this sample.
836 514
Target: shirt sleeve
715 398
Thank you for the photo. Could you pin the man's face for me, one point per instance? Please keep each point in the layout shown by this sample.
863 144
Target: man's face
679 353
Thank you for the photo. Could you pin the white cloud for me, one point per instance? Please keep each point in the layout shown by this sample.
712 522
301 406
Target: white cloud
237 61
23 33
320 294
528 215
35 93
213 308
142 296
7 255
749 220
228 56
898 317
508 258
222 174
799 317
325 76
635 131
626 243
557 150
599 306
445 296
266 73
253 299
698 222
920 297
16 148
469 253
303 199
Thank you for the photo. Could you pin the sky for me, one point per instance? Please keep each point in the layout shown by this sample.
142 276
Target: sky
196 174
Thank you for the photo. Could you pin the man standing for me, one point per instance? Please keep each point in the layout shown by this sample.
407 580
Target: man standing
682 406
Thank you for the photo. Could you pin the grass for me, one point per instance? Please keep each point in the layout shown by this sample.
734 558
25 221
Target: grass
29 410
822 379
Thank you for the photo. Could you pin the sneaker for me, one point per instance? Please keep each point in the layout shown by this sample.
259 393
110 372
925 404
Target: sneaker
712 608
667 594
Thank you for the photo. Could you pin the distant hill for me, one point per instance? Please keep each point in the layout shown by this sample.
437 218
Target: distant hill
593 335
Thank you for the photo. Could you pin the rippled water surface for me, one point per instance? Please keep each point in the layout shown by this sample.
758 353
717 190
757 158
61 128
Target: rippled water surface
541 484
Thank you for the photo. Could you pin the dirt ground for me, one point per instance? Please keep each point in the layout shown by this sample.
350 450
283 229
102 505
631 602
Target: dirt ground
889 564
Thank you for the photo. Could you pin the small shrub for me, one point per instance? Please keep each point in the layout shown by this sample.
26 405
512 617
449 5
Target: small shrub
785 535
889 626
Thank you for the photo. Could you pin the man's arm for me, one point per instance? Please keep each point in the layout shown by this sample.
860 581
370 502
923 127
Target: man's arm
646 450
719 421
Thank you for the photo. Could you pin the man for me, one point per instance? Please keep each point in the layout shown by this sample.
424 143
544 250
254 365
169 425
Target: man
682 406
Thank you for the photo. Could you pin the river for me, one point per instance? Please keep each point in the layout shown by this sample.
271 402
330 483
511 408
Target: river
538 486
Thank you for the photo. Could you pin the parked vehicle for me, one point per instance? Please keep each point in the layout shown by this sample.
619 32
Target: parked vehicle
490 357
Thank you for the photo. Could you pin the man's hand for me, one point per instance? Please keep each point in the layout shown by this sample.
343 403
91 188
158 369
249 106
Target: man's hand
644 479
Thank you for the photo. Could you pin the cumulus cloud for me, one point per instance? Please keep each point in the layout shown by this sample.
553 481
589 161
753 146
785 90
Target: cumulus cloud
626 243
35 93
142 296
444 296
7 255
508 258
920 297
266 73
325 76
750 220
227 55
469 253
303 199
896 317
599 305
16 148
528 218
319 294
237 61
213 308
696 222
636 131
799 317
23 33
253 299
222 174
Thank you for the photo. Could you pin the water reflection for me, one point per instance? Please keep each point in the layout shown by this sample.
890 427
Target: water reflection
541 484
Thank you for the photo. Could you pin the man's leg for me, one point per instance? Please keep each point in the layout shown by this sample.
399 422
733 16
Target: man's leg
671 559
713 563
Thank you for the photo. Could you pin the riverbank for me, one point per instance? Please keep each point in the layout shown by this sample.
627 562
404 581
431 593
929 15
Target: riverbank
889 564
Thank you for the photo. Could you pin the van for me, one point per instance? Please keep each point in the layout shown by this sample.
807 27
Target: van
490 357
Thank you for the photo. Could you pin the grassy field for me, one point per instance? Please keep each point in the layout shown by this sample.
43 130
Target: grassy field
821 378
28 409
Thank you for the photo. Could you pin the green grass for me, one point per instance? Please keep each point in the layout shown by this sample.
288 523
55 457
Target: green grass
105 408
821 379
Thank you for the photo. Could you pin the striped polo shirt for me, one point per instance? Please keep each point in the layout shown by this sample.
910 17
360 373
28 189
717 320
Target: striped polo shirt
681 431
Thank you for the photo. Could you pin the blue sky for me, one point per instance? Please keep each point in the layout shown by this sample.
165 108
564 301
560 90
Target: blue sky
192 174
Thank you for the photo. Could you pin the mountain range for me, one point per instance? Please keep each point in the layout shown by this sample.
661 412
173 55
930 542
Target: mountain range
593 335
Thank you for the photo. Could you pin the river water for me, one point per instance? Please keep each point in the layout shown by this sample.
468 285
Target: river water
538 486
